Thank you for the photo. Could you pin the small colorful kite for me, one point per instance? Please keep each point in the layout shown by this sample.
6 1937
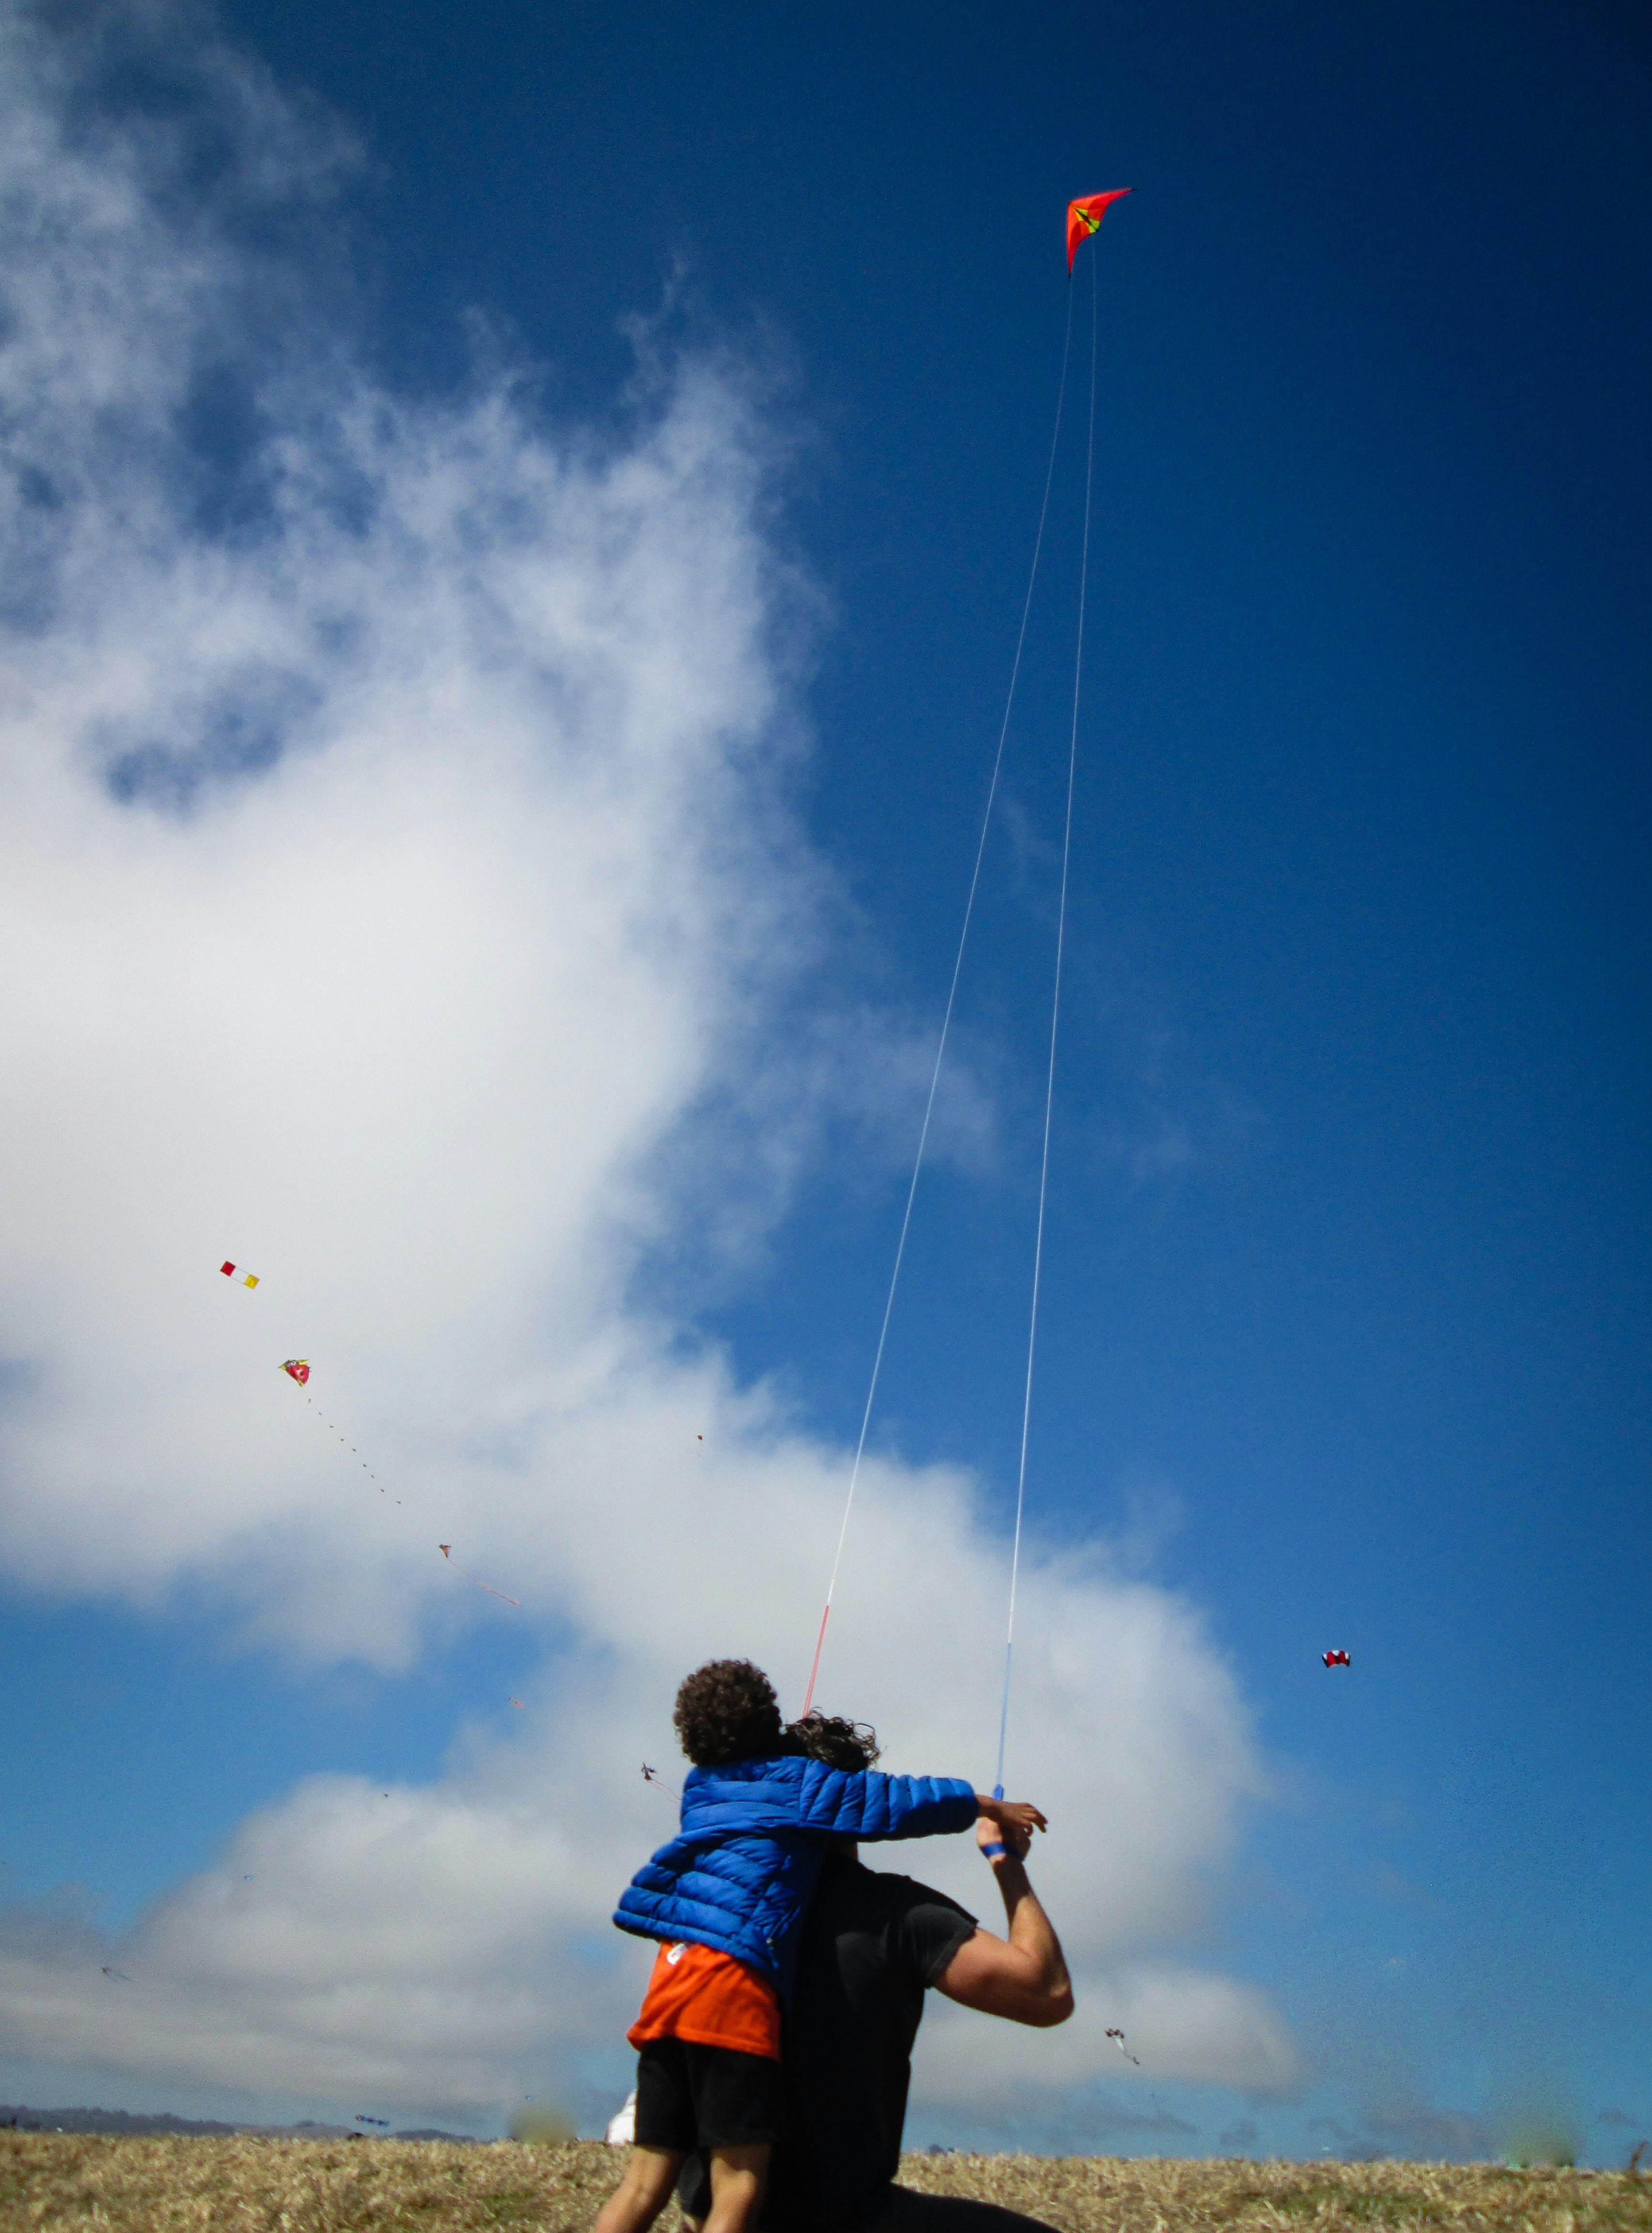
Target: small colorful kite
1117 2038
447 1550
248 1279
1338 1659
653 1775
297 1368
1084 217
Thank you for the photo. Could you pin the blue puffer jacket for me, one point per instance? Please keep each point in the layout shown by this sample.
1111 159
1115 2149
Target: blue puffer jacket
742 1870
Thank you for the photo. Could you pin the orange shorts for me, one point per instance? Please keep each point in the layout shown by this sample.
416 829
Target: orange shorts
710 1999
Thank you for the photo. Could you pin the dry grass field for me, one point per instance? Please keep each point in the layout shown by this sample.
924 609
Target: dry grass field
64 2181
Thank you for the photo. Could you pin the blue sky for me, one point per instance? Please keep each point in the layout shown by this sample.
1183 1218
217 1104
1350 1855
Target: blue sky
1345 1294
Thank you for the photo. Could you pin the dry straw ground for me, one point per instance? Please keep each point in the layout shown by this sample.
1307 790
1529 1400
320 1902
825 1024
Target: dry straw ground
70 2181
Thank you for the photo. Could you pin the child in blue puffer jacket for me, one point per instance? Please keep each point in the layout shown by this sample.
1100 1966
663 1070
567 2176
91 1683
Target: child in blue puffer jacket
728 1897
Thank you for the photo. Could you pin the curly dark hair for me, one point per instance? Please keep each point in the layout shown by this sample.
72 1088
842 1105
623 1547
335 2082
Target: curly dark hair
836 1743
726 1711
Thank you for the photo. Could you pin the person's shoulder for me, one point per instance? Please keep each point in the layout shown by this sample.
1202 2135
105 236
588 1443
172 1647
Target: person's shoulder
910 1897
894 1900
919 1929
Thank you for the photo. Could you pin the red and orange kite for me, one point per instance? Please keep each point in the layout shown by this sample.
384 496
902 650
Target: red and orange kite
1084 217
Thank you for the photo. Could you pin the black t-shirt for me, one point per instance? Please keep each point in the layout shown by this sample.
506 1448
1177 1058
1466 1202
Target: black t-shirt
871 1945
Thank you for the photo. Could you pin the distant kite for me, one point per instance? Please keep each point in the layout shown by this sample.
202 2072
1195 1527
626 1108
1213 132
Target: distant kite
1117 2036
248 1279
516 1701
447 1550
383 2122
653 1775
119 1974
297 1368
1084 217
1338 1659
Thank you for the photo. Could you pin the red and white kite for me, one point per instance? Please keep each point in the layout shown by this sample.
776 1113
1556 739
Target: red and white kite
1084 217
1338 1659
297 1367
248 1279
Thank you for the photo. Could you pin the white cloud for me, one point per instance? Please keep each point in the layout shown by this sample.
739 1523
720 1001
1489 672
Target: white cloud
399 896
1181 2024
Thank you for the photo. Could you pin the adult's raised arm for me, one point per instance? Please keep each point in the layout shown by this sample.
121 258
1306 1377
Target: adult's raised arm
1022 1977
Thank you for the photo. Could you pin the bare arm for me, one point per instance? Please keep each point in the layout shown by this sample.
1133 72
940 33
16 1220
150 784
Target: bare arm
1024 1977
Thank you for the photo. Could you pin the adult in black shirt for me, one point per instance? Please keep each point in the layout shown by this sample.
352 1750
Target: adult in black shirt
872 1945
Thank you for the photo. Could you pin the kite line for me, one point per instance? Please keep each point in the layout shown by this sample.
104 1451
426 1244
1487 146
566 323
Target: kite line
1055 1020
1084 217
946 1015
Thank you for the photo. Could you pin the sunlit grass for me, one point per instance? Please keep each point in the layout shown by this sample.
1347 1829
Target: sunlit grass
60 2181
1106 2194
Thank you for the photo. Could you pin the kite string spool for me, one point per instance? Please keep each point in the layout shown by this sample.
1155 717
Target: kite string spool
1055 1020
952 997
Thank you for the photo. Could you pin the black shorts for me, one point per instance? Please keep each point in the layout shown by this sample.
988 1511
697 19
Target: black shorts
691 2097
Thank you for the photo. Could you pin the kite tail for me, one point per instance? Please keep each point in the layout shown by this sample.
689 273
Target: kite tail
297 1370
447 1550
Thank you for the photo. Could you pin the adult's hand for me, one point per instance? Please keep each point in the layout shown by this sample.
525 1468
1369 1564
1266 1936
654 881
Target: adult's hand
1016 1838
1008 1815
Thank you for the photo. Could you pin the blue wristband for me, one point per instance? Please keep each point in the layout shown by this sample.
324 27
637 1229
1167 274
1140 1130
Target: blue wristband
994 1852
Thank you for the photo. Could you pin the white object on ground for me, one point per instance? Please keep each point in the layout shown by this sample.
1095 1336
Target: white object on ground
623 2127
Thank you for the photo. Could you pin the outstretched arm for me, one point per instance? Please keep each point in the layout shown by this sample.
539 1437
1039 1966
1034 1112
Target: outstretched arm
863 1804
1024 1977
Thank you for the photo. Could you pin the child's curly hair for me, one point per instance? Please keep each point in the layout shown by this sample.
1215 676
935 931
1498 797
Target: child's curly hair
836 1743
726 1711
